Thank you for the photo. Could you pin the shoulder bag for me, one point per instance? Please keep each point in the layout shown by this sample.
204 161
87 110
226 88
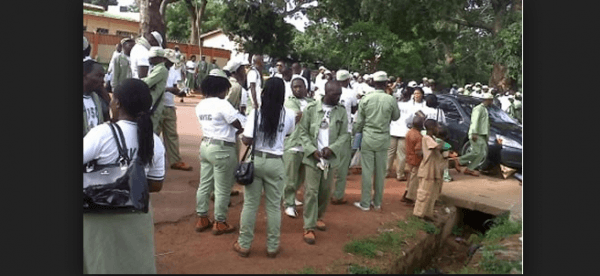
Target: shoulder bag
121 187
244 173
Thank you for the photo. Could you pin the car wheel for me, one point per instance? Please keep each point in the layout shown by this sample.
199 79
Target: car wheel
466 148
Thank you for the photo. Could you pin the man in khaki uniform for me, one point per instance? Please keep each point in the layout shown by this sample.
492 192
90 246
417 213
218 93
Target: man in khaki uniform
293 151
375 112
157 81
479 131
324 135
121 64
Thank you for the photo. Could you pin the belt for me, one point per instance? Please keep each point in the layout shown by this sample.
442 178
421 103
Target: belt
217 142
266 154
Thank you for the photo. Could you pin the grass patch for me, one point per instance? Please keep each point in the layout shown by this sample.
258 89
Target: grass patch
491 264
502 228
356 269
390 241
457 231
304 270
468 270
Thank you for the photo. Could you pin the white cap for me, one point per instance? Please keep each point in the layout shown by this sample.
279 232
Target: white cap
342 75
380 76
356 74
158 37
171 55
461 90
326 72
424 79
232 65
485 87
156 52
322 67
518 94
412 84
487 96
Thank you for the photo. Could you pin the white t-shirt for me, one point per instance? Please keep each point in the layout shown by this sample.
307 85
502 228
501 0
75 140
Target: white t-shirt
100 144
288 89
303 104
286 126
413 107
91 111
432 113
323 137
254 76
139 57
190 66
427 90
174 76
504 102
348 100
398 128
215 116
244 99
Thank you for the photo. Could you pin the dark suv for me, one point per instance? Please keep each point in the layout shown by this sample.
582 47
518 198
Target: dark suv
457 109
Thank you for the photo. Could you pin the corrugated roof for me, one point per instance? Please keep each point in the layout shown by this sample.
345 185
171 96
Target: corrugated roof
92 7
111 15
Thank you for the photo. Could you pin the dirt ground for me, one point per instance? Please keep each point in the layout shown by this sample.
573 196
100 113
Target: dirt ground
180 249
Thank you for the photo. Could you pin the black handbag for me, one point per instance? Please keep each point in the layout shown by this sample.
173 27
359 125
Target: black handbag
244 173
121 187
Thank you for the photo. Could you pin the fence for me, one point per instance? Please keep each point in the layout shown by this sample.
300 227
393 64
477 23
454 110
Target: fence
103 46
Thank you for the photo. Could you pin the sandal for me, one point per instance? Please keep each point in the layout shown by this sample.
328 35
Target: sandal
181 166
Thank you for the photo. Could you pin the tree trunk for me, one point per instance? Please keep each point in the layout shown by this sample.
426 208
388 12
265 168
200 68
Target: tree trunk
151 19
196 20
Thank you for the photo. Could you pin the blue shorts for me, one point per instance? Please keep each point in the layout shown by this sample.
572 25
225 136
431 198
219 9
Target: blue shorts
357 140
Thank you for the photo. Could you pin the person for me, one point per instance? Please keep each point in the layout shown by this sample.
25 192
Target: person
93 113
324 134
479 131
293 152
432 111
280 65
306 74
454 89
287 80
121 64
375 112
124 243
414 156
272 70
254 81
213 65
238 77
109 72
168 121
87 48
460 91
350 102
423 82
157 81
320 92
417 103
298 72
218 160
515 107
468 89
398 130
429 173
273 124
140 66
190 74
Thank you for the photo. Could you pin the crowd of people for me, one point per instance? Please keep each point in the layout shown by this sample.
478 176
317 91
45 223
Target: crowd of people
306 129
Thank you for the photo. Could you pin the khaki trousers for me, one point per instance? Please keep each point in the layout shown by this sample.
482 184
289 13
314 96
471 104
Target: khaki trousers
168 127
316 195
427 194
413 182
397 150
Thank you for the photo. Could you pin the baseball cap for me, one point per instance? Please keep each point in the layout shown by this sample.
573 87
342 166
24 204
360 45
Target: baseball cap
157 36
380 76
487 96
342 75
217 73
412 84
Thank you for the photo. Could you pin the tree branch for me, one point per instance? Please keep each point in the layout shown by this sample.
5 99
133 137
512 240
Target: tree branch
470 24
297 8
163 6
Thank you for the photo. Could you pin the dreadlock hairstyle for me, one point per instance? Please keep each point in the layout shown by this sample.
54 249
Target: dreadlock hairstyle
270 110
134 96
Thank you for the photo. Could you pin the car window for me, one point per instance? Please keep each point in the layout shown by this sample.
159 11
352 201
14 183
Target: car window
450 110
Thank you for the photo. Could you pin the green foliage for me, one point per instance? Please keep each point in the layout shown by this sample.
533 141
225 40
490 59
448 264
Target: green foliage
257 27
457 231
493 265
364 247
356 269
307 270
177 21
502 228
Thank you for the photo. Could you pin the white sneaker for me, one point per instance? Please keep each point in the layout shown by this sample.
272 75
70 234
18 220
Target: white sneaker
291 212
357 204
297 202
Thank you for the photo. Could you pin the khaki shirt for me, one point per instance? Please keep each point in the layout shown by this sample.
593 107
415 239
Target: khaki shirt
375 112
235 93
309 131
431 166
293 103
480 121
157 81
121 70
